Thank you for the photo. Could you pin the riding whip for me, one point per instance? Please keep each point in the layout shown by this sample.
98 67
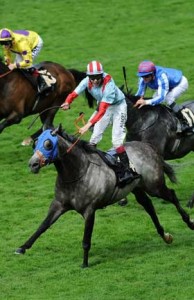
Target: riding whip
125 79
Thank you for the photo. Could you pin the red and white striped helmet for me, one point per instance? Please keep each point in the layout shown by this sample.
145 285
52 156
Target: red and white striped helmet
94 68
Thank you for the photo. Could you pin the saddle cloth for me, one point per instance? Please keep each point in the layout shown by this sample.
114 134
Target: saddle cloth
111 159
49 79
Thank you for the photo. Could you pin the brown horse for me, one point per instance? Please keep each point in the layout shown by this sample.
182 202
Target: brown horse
19 97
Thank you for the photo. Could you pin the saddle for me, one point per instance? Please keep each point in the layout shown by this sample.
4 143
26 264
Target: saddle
111 159
184 121
42 76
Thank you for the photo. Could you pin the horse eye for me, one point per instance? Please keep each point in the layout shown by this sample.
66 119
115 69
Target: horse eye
48 145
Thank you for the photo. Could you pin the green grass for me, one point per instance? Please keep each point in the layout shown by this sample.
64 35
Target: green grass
128 260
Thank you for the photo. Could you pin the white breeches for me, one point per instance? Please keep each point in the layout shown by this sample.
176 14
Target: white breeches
115 115
176 92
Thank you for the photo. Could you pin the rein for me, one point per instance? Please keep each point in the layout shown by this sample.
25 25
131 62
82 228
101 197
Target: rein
49 108
80 118
4 74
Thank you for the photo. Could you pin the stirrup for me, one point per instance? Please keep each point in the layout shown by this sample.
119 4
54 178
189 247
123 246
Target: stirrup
128 176
43 88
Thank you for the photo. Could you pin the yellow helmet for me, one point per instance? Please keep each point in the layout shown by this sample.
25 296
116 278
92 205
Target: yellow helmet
5 35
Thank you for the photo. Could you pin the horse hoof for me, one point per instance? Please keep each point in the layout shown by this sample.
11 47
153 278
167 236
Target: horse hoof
83 266
192 224
27 142
20 251
168 238
123 202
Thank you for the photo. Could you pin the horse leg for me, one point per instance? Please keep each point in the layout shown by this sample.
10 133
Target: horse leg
13 118
55 211
27 141
170 196
86 243
146 202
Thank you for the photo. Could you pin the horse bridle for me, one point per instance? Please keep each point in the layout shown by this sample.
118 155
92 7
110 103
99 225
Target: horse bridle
42 158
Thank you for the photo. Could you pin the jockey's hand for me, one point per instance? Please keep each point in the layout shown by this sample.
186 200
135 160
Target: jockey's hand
141 102
65 106
85 128
11 66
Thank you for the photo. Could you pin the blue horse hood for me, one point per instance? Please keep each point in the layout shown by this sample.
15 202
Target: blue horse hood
47 144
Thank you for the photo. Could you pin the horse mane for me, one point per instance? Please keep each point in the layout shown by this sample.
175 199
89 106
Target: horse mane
80 144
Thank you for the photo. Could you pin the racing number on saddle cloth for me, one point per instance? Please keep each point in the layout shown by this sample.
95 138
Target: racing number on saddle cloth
188 116
49 79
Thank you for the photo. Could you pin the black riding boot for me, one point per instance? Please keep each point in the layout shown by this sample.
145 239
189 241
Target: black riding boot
128 174
42 85
185 126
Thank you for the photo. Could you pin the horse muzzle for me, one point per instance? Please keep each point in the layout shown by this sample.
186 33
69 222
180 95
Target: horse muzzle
37 161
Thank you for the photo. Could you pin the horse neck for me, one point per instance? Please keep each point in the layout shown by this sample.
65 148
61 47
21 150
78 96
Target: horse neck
72 161
132 113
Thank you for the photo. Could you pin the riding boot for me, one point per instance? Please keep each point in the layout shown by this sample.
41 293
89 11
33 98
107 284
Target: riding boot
128 174
92 145
42 85
187 123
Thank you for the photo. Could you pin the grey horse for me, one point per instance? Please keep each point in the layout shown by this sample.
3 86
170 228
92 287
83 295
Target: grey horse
85 182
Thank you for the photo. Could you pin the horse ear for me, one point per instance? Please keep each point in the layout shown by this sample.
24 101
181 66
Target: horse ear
57 130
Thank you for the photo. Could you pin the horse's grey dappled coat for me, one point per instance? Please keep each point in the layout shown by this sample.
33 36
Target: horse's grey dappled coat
85 183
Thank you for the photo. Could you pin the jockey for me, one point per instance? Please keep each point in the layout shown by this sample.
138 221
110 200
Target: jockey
168 84
26 46
111 107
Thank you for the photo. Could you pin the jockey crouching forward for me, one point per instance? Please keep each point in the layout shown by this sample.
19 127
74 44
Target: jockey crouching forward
168 84
26 46
112 106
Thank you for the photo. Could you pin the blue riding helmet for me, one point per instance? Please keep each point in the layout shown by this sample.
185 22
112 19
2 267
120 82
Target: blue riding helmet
47 144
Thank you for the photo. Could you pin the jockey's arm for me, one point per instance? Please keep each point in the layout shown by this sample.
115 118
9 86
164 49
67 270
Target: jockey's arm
7 56
102 109
69 100
26 54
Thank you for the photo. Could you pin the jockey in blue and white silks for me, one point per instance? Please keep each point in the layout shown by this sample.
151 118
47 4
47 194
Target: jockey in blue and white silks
112 108
168 84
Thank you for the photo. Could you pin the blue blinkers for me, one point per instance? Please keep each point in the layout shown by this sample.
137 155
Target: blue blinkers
47 145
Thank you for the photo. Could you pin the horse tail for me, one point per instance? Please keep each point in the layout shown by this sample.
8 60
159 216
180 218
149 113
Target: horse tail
79 76
169 171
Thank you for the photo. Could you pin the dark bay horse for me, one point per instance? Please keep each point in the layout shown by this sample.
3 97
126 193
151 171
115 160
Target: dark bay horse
18 96
86 183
